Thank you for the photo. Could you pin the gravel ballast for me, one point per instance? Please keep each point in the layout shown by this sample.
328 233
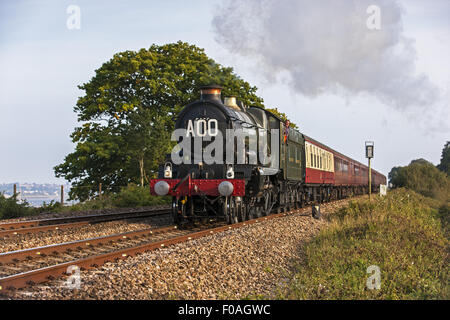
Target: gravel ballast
247 262
32 240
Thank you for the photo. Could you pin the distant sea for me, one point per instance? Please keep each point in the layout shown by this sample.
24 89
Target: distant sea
39 201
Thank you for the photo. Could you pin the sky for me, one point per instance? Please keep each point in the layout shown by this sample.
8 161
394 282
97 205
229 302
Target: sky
341 85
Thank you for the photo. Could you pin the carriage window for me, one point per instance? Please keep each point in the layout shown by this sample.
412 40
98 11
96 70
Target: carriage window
316 160
345 166
338 165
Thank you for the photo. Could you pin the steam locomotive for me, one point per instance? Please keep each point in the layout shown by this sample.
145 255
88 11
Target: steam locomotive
236 163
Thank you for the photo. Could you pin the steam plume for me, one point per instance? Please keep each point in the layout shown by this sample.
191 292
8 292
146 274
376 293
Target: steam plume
325 46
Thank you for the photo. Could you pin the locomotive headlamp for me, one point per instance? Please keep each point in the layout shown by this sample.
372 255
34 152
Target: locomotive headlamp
162 188
226 188
168 170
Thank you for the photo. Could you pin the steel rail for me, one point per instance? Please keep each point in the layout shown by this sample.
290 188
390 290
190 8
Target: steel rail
53 221
49 273
27 254
84 220
4 233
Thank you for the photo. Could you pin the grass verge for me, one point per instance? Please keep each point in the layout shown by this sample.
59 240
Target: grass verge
404 234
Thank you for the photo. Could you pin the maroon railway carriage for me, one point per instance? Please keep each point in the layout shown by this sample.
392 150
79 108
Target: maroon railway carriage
325 166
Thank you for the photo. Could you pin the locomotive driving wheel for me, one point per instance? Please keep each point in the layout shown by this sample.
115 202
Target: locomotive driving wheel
230 210
234 210
240 210
267 202
226 211
176 210
256 211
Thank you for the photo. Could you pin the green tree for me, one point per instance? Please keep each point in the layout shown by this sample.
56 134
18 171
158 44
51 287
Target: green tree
444 166
422 177
282 116
127 111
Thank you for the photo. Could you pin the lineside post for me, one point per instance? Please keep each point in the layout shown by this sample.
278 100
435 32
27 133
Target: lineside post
15 191
369 155
370 180
100 191
62 195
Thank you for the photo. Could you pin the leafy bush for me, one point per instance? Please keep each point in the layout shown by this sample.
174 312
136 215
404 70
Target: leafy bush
401 233
135 196
130 196
422 177
10 208
52 206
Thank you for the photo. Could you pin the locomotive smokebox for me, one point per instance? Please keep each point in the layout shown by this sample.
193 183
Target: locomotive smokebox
211 92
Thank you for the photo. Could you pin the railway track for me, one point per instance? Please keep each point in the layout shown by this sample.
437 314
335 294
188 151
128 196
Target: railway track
28 267
33 226
39 257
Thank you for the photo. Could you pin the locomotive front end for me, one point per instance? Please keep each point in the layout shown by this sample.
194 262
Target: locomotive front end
202 183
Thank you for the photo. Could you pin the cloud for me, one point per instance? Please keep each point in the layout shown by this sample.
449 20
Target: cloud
325 46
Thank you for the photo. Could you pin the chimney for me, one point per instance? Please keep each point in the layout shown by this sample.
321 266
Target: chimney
230 102
211 92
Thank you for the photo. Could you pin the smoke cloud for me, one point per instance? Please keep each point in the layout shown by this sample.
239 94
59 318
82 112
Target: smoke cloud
326 46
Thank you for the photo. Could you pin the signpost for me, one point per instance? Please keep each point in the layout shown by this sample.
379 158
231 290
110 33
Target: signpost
369 155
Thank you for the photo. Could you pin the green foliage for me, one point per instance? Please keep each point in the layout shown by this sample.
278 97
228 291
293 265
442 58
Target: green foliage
127 110
422 177
282 116
444 166
136 196
52 206
401 233
130 196
11 208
